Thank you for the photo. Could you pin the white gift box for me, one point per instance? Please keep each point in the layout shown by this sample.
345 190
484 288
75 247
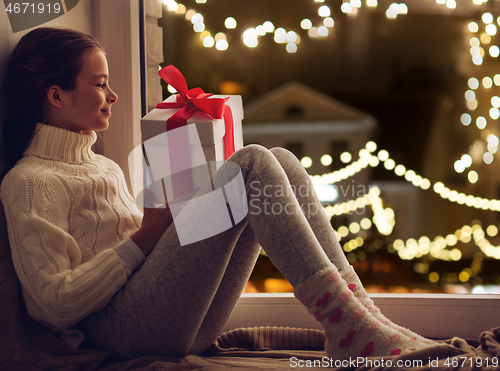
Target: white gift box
177 161
210 131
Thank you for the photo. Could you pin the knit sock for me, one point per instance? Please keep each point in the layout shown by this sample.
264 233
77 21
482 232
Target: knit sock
354 284
351 331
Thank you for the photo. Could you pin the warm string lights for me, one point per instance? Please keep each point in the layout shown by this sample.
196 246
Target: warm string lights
468 200
421 267
396 9
352 205
351 7
383 218
486 247
440 248
367 158
481 47
450 4
437 249
250 37
290 38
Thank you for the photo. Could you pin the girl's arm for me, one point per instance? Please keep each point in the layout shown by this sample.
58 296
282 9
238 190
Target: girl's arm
154 223
58 289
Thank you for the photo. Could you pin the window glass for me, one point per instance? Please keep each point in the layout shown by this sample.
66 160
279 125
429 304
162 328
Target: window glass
393 107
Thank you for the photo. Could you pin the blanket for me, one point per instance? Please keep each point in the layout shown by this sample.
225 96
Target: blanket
27 345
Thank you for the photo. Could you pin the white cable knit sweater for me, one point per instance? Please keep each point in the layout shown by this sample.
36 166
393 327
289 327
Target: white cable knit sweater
66 209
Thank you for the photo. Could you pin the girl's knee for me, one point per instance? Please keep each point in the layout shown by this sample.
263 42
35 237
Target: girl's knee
255 149
282 153
250 153
279 151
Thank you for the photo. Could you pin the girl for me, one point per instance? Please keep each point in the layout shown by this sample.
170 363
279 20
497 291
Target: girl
79 242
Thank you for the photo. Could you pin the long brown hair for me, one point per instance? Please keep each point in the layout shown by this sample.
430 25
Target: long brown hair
43 57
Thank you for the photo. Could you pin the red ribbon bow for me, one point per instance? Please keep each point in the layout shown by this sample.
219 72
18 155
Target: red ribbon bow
190 100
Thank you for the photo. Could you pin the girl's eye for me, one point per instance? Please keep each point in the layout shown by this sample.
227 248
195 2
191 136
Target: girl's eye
101 85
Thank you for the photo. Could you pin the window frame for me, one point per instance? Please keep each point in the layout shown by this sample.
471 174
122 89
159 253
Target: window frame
435 316
117 25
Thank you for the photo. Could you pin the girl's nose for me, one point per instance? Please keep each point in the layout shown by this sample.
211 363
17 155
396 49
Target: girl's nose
112 98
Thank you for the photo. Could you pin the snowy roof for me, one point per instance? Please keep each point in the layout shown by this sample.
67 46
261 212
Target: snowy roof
295 102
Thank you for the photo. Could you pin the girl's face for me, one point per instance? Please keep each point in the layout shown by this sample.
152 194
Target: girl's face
88 106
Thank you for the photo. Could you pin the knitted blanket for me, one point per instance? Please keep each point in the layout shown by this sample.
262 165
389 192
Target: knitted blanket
27 345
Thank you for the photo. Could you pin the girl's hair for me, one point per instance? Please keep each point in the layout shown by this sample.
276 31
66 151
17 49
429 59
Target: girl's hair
43 57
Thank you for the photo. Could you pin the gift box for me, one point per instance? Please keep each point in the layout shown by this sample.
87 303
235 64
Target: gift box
185 139
185 157
210 131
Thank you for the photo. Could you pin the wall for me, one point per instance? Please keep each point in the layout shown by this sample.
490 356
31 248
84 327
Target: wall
117 28
115 23
79 18
154 52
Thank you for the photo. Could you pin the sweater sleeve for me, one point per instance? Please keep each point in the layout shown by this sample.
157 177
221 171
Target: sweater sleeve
58 290
130 254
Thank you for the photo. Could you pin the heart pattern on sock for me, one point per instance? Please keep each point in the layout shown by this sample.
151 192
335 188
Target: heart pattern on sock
368 351
351 330
348 274
336 317
345 342
324 300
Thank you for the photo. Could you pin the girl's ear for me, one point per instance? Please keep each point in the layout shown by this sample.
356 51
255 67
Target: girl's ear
54 97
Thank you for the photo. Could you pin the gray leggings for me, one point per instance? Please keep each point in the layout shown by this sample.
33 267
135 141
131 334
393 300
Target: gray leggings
179 300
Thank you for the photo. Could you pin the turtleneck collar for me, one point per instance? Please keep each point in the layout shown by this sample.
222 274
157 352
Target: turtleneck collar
56 144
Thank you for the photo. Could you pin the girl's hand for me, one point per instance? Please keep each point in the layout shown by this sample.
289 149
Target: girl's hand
154 223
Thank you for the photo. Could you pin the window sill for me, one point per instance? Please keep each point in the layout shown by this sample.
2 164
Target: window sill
437 316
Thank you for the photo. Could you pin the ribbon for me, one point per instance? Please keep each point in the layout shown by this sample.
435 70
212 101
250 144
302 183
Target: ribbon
188 101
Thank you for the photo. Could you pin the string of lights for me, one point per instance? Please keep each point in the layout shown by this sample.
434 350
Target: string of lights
482 150
421 267
250 36
291 38
383 218
364 160
412 248
366 157
423 248
486 247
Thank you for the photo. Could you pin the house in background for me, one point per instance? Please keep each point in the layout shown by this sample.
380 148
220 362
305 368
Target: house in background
308 123
312 124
